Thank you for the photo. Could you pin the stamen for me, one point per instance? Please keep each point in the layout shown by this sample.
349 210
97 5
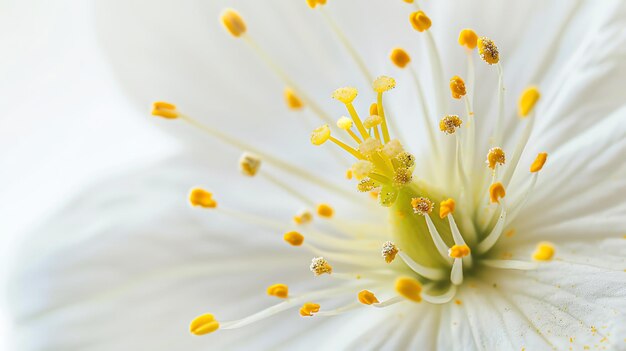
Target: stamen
165 110
405 159
420 21
372 121
374 109
426 272
249 164
313 3
493 237
308 309
409 288
544 251
320 135
538 163
233 22
527 101
361 169
292 100
382 84
393 148
459 251
303 217
366 185
400 58
203 325
402 177
422 205
495 157
345 94
446 207
325 210
370 146
279 290
456 273
344 123
468 38
294 238
457 87
367 297
496 191
389 251
320 266
202 198
488 50
450 123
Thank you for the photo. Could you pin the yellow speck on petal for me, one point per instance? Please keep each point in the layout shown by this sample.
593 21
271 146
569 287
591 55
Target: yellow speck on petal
495 156
303 217
458 302
320 135
457 87
420 21
165 110
383 83
324 210
249 164
320 266
422 205
496 192
294 238
446 207
367 297
400 57
527 101
389 251
409 288
538 163
344 123
233 22
279 290
450 123
372 121
468 38
459 251
488 50
345 94
374 109
292 100
202 198
544 251
203 324
308 309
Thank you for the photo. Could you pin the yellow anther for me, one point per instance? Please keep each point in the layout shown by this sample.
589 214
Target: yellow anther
468 38
495 156
488 50
544 251
249 164
450 123
496 192
446 207
164 109
303 217
420 21
349 174
372 121
406 159
367 297
393 148
402 176
370 146
409 288
422 205
320 135
313 3
408 1
457 87
383 83
320 266
294 238
344 123
345 94
539 162
527 101
202 198
366 185
203 324
292 100
400 57
233 22
324 210
362 169
374 109
459 251
308 309
279 290
389 251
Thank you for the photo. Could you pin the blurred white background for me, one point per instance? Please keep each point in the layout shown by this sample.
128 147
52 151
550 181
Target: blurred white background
64 121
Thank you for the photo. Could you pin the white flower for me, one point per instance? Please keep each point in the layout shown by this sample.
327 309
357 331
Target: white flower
503 255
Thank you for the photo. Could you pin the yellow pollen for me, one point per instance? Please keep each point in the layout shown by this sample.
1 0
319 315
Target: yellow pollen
527 101
367 297
402 176
303 217
450 123
496 192
393 148
459 251
308 309
324 210
344 123
488 50
345 94
457 87
294 238
539 162
495 157
249 164
544 251
164 109
409 288
279 290
400 57
320 135
389 251
366 185
292 100
406 159
372 121
202 198
383 84
362 169
320 266
422 205
233 22
446 207
374 109
370 146
420 21
203 324
468 38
